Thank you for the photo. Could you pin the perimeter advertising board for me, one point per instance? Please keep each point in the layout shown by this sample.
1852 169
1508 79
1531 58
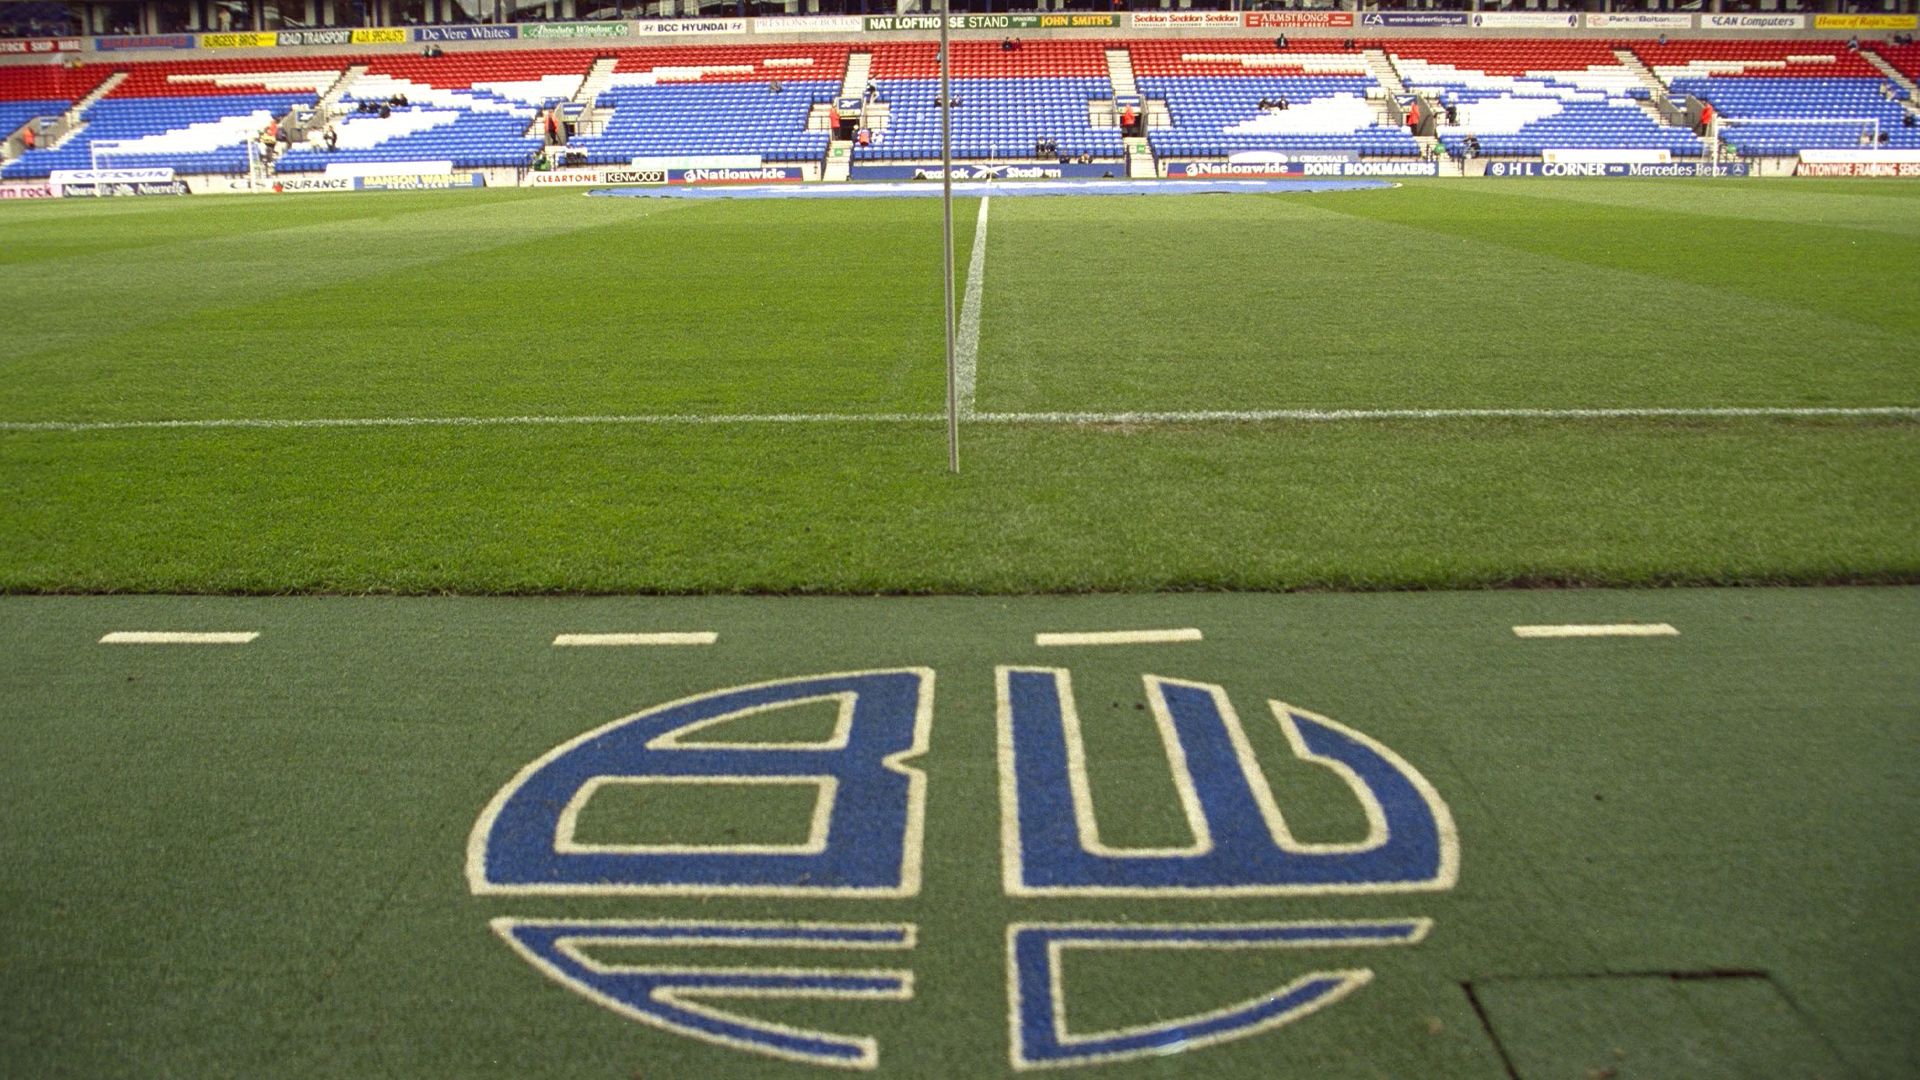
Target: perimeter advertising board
1866 22
1292 20
1413 18
580 177
688 27
807 24
240 40
1527 20
1259 170
32 46
1638 20
1615 169
1162 20
883 24
13 190
466 33
1753 22
573 31
975 172
143 41
419 182
764 174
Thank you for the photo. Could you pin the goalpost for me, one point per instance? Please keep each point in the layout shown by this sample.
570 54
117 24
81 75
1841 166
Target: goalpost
100 157
1866 128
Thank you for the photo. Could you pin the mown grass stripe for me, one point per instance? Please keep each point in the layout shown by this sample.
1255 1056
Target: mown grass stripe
1199 416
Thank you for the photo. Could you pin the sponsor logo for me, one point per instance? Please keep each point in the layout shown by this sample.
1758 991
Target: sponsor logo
1053 22
685 27
1200 169
62 177
1866 22
171 187
1413 18
807 24
466 33
863 838
1538 20
1287 19
1162 19
1858 168
41 45
290 38
1638 20
149 41
338 183
1754 22
419 181
27 191
995 172
383 36
1615 169
636 176
762 175
576 30
1371 168
239 41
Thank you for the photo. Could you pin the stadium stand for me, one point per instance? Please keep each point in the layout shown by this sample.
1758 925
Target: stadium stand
1521 98
194 116
1784 96
697 100
1200 97
1008 100
1213 91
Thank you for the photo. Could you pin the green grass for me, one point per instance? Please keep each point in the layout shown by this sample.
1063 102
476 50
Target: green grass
247 861
1535 294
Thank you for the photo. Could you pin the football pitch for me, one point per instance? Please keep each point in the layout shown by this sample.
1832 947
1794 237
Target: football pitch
1184 731
542 392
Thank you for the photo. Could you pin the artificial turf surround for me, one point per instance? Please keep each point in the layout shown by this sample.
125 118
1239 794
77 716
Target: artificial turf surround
1516 294
247 860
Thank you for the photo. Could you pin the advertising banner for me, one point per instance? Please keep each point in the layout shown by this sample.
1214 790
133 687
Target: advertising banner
765 174
1267 170
11 190
1288 20
293 38
419 182
1753 22
66 177
40 45
1069 170
616 175
1638 20
314 183
1866 22
89 191
1071 21
143 41
807 24
1615 169
881 24
465 33
1161 20
564 31
1531 20
1413 18
1857 168
386 35
243 40
688 27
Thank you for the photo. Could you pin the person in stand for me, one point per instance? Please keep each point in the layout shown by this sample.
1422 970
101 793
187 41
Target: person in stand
1707 116
1006 44
873 90
1413 115
774 87
28 138
1280 104
1280 43
863 137
333 139
553 129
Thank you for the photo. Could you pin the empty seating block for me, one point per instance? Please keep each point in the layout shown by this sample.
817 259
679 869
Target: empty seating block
1213 91
703 100
1007 100
1785 96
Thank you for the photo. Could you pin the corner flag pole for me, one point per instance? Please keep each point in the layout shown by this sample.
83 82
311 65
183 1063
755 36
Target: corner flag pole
946 210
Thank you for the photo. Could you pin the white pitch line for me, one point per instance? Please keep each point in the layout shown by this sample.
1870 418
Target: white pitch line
692 637
967 347
1567 630
1119 637
178 637
1902 412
